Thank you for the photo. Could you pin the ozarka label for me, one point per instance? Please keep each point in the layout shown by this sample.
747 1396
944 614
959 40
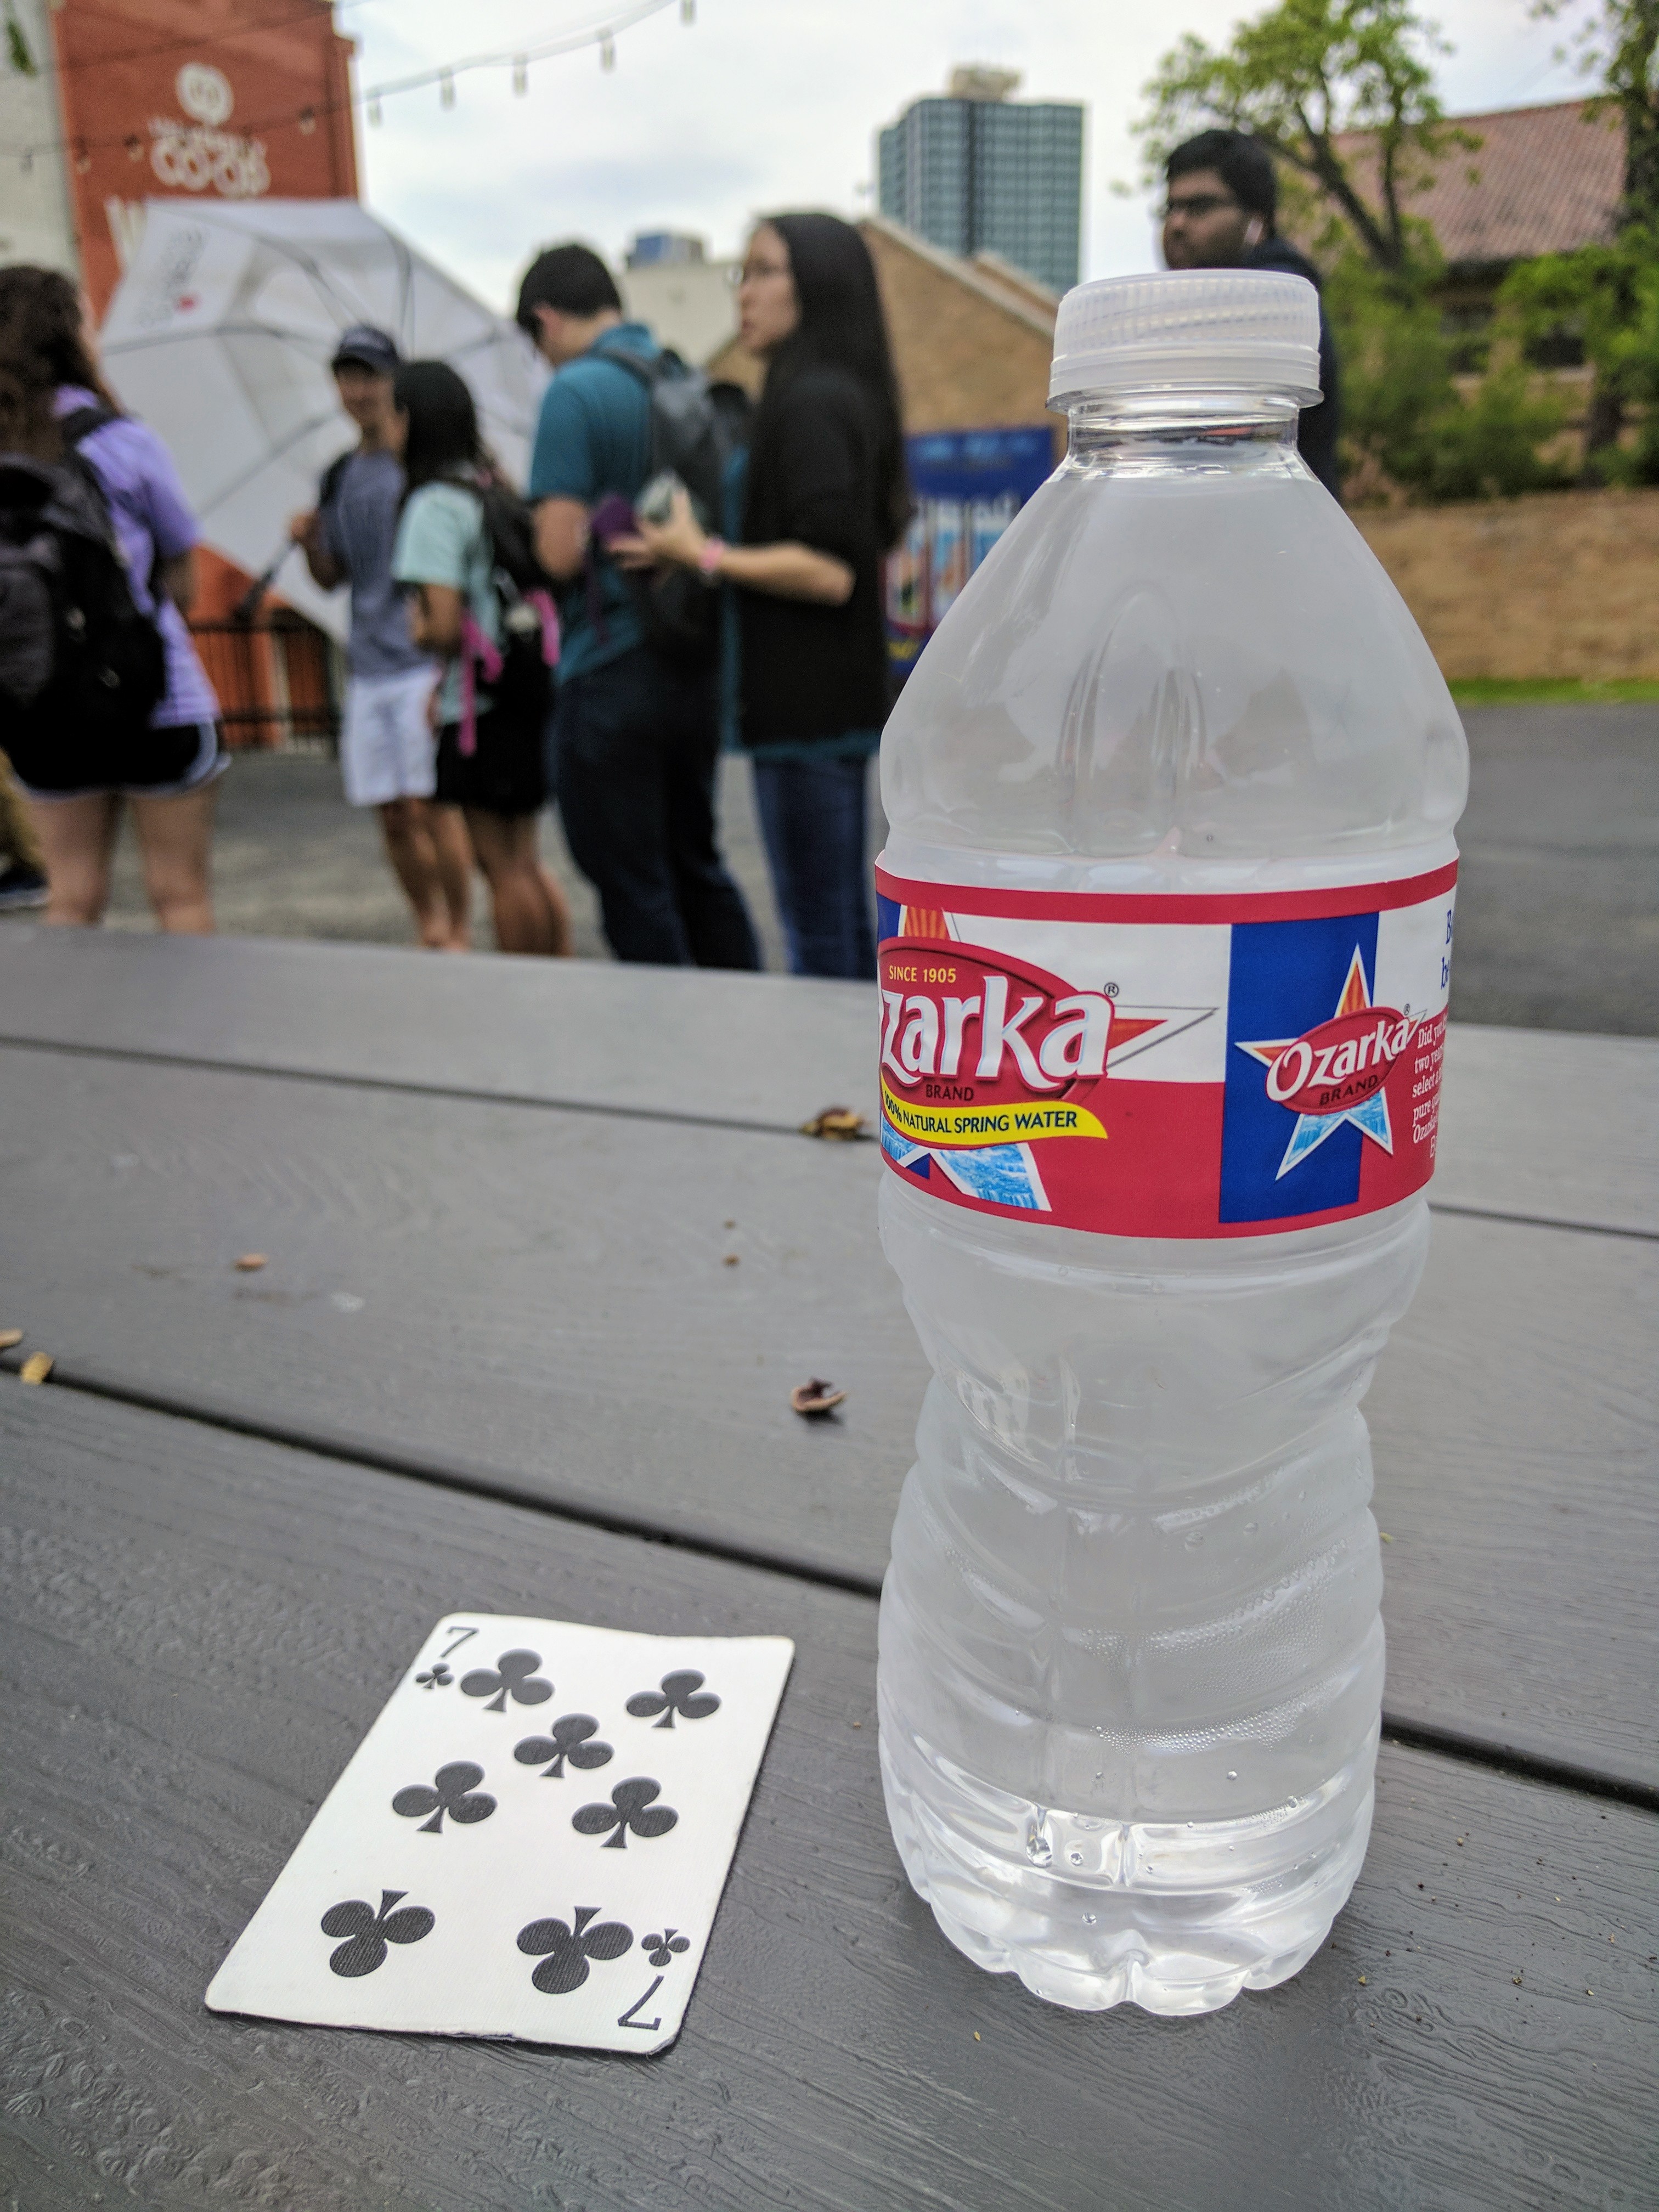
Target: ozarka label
1165 1066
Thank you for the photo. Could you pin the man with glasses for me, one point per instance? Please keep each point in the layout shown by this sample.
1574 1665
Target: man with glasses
1219 213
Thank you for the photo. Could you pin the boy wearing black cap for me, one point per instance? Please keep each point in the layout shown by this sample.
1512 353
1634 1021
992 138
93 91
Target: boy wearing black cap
387 749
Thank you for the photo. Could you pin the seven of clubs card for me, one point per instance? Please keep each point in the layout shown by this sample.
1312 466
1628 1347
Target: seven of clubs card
531 1841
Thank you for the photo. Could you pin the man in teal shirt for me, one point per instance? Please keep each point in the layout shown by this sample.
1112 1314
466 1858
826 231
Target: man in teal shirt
635 739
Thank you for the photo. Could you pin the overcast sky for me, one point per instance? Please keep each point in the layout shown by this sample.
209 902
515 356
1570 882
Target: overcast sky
773 104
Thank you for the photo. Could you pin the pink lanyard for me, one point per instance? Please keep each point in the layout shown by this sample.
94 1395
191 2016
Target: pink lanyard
477 653
478 656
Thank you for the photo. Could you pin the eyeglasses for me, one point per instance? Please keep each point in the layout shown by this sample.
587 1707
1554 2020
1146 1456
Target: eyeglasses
755 272
1198 205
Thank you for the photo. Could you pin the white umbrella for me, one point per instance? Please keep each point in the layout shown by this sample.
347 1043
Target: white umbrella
221 335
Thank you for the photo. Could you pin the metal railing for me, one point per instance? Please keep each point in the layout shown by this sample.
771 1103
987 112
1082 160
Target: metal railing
277 678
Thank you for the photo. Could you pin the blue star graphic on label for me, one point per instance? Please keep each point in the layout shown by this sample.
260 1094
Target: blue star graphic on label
1335 1073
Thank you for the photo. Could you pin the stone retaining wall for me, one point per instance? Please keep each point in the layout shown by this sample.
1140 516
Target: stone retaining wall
1555 584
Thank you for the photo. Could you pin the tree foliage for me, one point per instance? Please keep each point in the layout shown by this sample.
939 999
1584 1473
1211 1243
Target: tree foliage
1630 72
1302 76
1406 420
19 59
1620 48
1608 297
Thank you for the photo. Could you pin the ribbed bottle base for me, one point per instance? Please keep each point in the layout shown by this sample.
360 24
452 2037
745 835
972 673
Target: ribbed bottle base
1176 1919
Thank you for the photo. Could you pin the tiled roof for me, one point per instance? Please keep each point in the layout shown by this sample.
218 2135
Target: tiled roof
1546 180
1017 295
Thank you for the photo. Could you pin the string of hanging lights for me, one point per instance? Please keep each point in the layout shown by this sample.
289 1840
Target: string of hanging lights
518 58
603 35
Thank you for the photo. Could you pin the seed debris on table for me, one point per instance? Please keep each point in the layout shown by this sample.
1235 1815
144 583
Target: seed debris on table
816 1397
838 1123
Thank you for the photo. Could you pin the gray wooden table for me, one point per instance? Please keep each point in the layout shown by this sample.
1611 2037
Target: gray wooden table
496 1355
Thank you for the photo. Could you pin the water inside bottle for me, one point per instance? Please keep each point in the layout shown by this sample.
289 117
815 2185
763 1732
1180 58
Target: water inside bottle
1131 1654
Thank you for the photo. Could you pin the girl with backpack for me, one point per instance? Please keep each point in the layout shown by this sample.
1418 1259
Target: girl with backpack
477 603
826 498
167 762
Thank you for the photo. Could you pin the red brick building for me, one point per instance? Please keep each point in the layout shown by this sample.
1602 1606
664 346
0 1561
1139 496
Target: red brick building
138 99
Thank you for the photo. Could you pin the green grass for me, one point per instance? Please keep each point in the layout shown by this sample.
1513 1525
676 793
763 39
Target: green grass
1564 691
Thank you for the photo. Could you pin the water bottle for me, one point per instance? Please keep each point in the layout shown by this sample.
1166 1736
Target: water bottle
1165 920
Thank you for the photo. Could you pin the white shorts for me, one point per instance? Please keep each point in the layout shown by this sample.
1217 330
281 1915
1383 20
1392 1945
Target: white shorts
387 749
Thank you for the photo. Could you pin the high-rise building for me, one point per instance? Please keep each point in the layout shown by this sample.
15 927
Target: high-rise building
976 172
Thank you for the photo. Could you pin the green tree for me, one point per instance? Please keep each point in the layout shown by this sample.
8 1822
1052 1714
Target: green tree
1300 77
19 59
1405 420
1631 72
1304 77
1621 49
1608 296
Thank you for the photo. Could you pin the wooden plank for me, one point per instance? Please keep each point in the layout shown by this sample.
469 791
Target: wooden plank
538 1303
760 1049
200 1628
1514 1424
537 1299
1558 1128
1551 1127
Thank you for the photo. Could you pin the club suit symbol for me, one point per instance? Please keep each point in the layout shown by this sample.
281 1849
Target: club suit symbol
679 1694
632 1807
370 1931
565 1951
454 1790
569 1741
514 1675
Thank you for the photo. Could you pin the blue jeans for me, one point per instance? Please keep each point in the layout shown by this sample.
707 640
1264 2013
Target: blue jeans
811 815
633 746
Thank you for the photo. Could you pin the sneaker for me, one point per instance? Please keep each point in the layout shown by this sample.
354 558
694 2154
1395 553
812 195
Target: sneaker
21 886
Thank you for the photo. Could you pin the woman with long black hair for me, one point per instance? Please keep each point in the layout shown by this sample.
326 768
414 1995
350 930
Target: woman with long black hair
489 751
826 498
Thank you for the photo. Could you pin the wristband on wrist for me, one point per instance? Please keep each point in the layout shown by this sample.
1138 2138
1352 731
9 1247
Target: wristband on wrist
710 559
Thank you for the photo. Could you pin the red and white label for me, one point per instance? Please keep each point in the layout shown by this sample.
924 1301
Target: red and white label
1173 1067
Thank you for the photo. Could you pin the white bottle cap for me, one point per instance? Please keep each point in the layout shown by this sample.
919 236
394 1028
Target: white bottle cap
1200 327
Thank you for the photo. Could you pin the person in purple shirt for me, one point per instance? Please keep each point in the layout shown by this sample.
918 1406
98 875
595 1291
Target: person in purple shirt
169 780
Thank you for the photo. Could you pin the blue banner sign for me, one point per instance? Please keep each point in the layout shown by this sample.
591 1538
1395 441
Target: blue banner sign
968 487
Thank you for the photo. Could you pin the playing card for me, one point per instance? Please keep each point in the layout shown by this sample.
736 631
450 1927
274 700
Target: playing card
531 1841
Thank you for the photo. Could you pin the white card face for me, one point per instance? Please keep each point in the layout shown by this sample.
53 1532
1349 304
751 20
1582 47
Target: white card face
531 1841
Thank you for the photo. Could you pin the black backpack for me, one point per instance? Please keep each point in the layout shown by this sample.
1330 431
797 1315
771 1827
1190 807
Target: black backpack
77 654
523 689
696 428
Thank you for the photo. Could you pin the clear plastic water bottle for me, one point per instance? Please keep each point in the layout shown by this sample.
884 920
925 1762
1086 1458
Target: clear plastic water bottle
1166 911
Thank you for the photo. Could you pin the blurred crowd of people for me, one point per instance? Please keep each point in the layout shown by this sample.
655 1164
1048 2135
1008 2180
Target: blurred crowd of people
685 570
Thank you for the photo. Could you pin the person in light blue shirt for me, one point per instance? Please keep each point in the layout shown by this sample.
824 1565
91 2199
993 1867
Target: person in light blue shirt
489 759
635 738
